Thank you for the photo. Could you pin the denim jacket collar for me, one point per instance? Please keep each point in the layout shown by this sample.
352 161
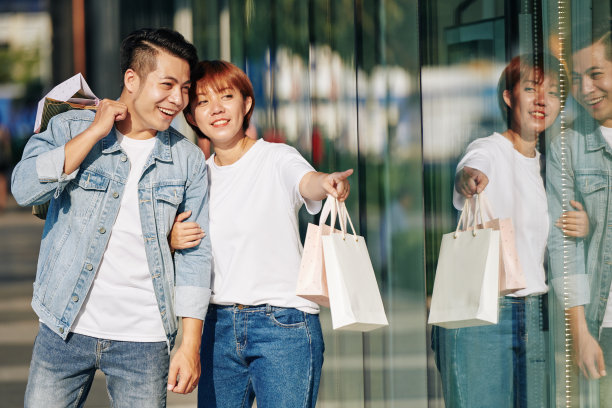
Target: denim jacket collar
161 151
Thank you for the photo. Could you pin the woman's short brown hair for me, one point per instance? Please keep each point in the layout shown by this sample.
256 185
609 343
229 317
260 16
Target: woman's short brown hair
219 75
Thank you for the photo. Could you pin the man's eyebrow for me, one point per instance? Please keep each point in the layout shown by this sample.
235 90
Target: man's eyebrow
173 79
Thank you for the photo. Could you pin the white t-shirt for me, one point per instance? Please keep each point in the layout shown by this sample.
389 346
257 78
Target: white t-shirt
515 190
607 319
121 304
254 229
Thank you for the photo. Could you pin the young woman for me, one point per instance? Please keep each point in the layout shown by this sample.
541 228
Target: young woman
504 365
259 338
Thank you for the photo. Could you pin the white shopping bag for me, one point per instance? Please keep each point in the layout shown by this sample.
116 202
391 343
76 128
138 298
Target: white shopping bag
466 285
354 298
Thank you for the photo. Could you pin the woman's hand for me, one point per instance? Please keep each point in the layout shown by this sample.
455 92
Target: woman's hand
337 184
316 185
185 234
469 181
574 223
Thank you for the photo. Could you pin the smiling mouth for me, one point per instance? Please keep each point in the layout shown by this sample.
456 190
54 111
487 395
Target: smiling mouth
595 101
220 122
538 115
169 112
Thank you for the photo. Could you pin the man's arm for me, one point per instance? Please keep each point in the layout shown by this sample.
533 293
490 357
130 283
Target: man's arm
587 352
193 272
51 158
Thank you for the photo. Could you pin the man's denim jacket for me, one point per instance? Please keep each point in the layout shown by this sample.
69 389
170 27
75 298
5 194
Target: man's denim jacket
84 205
579 167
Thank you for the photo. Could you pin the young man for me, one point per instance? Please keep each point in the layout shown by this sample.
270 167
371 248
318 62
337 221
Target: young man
580 168
107 290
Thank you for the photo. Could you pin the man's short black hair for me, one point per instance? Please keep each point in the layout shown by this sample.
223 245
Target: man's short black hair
139 50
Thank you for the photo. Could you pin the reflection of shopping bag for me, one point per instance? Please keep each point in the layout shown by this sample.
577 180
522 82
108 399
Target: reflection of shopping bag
312 281
467 278
511 276
74 93
354 298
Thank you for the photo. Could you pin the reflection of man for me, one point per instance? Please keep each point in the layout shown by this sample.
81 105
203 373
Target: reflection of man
107 289
580 168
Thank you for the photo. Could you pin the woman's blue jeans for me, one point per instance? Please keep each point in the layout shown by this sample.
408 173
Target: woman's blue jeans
502 365
270 352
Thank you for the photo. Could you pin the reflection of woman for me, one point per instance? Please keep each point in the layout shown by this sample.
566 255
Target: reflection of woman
259 338
504 365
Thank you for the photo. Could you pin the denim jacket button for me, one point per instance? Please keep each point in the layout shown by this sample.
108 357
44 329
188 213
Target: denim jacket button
124 158
75 298
102 230
61 330
115 194
89 267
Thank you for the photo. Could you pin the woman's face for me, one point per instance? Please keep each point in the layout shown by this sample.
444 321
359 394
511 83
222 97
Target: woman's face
220 115
592 82
535 105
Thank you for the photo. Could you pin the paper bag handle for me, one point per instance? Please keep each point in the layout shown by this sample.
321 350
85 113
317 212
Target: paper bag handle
330 207
465 212
344 216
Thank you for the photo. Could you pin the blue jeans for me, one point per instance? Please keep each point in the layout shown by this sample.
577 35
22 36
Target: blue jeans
270 352
501 365
62 371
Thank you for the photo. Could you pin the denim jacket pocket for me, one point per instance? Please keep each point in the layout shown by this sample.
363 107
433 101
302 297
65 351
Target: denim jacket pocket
167 199
589 182
85 192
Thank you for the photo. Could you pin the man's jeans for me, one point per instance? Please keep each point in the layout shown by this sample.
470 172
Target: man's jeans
61 372
271 352
501 365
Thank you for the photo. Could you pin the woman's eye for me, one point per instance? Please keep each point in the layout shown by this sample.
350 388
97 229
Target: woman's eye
529 89
202 103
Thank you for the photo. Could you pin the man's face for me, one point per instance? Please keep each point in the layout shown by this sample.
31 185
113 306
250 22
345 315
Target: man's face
161 95
592 82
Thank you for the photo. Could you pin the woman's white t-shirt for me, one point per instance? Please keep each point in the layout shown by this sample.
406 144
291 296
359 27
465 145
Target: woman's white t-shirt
254 229
515 190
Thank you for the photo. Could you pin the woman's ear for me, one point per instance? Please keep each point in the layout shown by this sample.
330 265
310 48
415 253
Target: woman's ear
248 101
507 98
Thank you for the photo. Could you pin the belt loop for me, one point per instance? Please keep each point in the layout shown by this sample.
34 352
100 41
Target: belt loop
268 309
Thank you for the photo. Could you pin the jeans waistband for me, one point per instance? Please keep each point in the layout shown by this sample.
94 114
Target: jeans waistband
247 308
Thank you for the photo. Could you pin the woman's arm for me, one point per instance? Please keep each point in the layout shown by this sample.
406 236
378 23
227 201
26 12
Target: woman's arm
316 185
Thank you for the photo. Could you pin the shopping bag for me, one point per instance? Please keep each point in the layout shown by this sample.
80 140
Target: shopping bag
466 284
354 297
312 280
511 275
73 93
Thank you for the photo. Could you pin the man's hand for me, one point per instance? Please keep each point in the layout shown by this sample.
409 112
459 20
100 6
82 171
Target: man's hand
469 181
78 147
108 112
574 223
185 234
185 369
587 352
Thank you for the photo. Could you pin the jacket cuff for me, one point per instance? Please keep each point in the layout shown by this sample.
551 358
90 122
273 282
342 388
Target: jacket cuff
192 301
572 290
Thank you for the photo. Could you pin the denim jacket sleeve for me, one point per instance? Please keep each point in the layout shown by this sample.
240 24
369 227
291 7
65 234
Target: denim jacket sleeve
567 267
193 265
39 174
